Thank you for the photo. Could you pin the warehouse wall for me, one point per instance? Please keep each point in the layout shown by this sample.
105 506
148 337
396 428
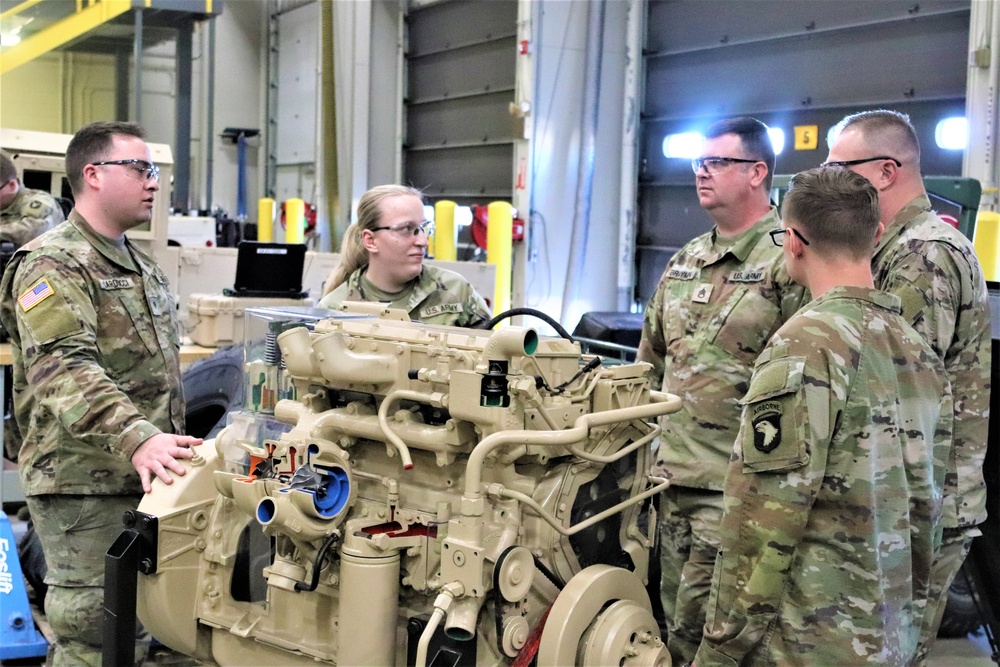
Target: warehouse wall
560 52
61 92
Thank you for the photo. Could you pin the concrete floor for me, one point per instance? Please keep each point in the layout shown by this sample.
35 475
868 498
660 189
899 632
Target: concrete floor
972 651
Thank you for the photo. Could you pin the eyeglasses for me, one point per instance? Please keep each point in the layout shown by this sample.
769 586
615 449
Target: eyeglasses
715 164
409 228
777 234
851 163
145 169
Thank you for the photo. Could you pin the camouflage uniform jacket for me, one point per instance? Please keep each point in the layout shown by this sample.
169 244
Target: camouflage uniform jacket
30 214
436 296
96 363
834 496
710 317
933 269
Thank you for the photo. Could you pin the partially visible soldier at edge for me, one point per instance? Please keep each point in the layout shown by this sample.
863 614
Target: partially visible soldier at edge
24 213
97 390
720 299
831 524
934 270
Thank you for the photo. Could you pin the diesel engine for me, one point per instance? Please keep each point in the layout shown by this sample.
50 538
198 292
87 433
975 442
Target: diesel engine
397 493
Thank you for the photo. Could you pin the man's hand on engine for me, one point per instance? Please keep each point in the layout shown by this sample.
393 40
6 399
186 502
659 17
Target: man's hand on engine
158 454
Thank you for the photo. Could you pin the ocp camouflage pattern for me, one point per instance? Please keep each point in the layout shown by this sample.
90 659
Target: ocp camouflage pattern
30 214
96 364
834 494
438 296
703 344
933 269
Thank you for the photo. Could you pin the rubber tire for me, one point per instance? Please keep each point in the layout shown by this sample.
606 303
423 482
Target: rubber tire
960 613
29 553
212 387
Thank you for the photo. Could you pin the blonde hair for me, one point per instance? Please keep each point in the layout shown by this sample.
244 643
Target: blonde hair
353 255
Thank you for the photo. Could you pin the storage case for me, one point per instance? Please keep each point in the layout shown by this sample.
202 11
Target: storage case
216 320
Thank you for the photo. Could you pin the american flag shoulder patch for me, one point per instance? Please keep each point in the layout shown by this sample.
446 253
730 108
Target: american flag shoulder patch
35 295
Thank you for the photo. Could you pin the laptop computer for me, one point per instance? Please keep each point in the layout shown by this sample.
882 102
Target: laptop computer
269 270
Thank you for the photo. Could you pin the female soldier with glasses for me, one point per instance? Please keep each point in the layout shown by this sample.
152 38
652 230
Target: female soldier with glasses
382 260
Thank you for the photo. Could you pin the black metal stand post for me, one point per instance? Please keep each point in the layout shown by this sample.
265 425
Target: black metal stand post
134 551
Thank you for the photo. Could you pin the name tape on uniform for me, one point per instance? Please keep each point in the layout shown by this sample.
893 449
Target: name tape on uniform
682 274
116 283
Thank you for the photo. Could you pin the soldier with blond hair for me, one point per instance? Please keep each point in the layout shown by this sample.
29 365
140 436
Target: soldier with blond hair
382 259
833 498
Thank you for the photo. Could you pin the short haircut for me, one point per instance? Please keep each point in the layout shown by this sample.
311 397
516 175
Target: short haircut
8 172
754 138
886 132
837 210
91 144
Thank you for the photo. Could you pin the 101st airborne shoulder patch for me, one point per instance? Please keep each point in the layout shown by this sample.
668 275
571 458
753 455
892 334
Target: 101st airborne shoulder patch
35 294
766 426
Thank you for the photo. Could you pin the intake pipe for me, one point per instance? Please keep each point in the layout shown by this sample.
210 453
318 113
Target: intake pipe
341 366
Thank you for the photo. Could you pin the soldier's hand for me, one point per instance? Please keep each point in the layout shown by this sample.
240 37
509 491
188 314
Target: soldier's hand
159 456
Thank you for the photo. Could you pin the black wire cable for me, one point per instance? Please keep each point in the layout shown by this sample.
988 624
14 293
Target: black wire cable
591 365
317 565
496 319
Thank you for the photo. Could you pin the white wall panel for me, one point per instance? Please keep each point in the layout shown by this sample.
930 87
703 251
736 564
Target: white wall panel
298 62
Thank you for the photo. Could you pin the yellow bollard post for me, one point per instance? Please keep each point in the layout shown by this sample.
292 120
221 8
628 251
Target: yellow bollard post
295 220
443 247
987 243
499 251
265 219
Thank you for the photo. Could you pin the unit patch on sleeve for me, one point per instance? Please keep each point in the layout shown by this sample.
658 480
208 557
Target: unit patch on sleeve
116 283
766 426
35 294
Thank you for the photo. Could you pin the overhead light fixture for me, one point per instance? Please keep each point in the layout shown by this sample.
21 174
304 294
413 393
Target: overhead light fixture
11 32
683 145
777 139
952 134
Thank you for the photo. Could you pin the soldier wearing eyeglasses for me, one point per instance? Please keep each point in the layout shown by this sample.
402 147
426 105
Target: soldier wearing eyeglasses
24 213
97 385
382 259
833 503
933 269
720 298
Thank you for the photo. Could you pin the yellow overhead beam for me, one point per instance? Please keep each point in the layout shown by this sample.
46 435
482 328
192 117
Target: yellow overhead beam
61 32
18 9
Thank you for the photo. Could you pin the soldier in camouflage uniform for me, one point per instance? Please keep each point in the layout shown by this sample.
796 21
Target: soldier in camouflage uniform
834 493
382 260
24 213
934 270
97 390
720 298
